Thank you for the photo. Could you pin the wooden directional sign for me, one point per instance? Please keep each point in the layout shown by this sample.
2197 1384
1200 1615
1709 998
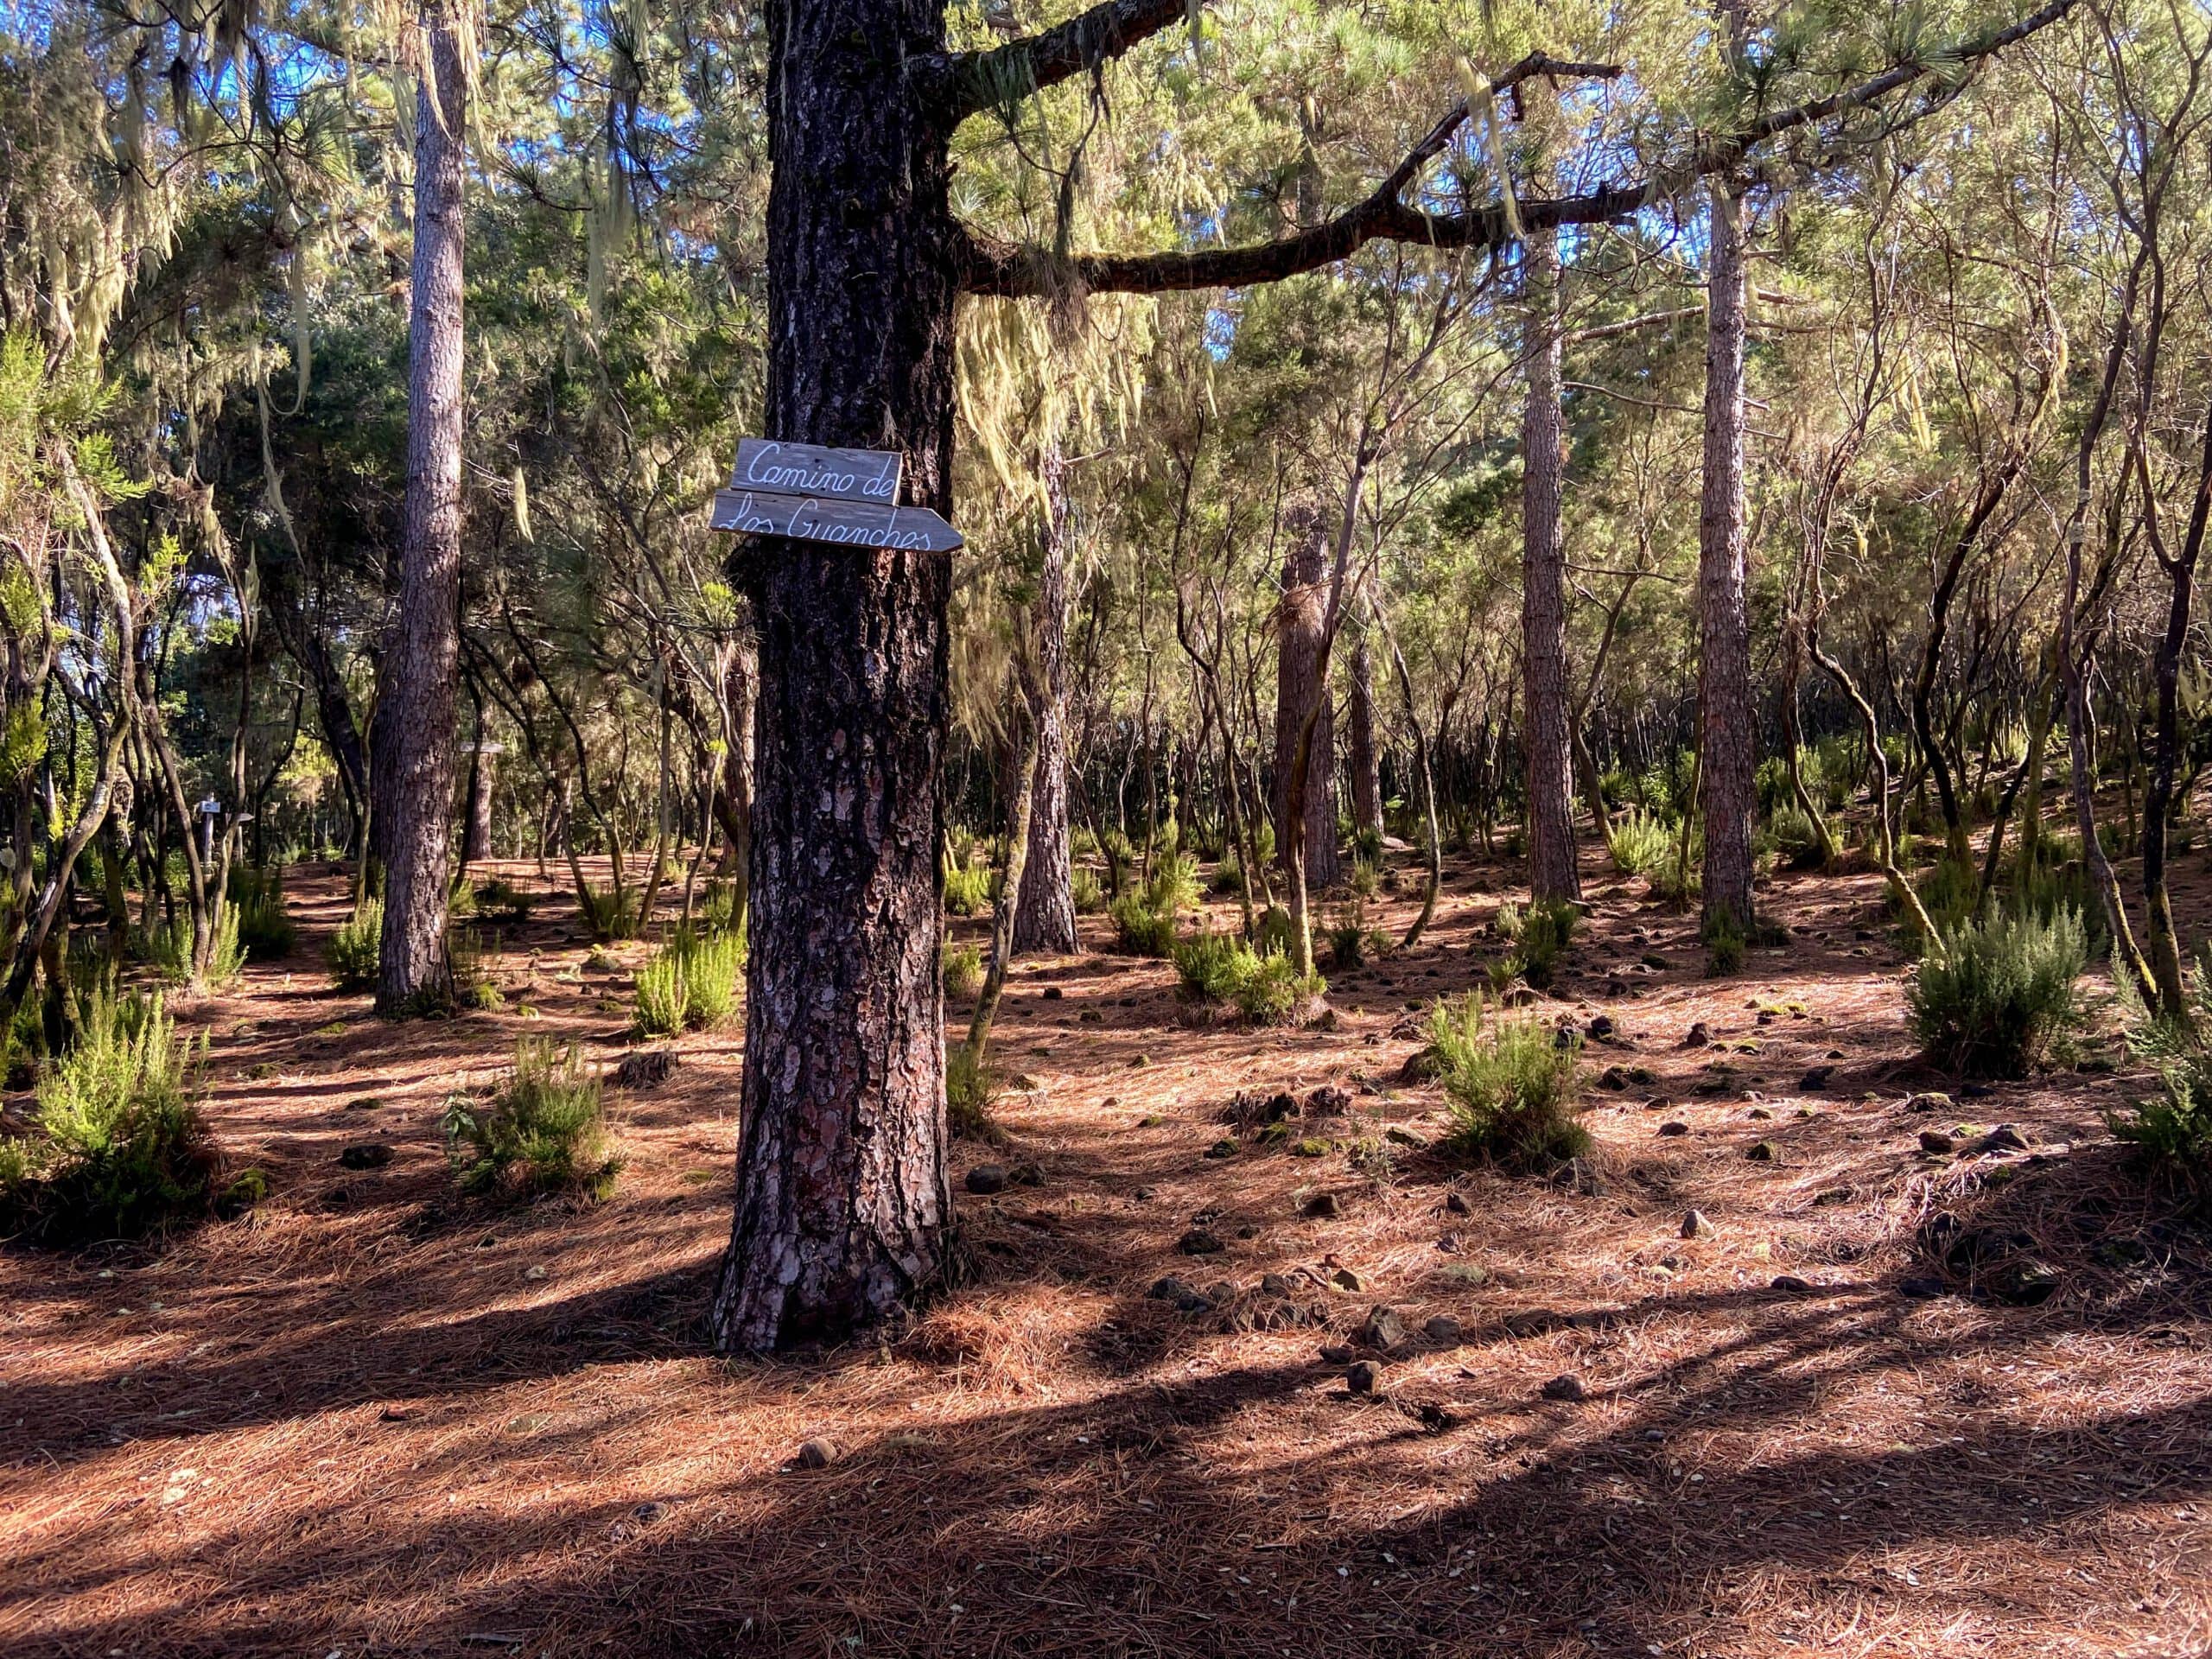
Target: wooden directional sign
809 469
815 519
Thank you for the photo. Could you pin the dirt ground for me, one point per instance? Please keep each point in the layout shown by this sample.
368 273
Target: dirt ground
373 1418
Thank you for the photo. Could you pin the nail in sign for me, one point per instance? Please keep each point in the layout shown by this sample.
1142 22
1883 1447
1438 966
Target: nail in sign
848 497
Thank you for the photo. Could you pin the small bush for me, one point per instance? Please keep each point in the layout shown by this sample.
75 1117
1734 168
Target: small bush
1948 890
608 913
265 928
1725 945
120 1149
473 986
663 1002
1140 930
169 950
1090 894
2174 1131
1538 935
1209 966
1229 874
1275 994
351 951
1366 877
543 1132
500 899
963 970
1795 836
1510 1082
1173 886
690 983
1351 941
967 890
970 1090
1992 997
1271 933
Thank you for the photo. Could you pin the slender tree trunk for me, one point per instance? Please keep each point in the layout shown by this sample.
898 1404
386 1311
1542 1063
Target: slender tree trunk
1361 755
1725 708
1021 821
1553 873
412 973
841 1193
1044 912
1302 699
2158 792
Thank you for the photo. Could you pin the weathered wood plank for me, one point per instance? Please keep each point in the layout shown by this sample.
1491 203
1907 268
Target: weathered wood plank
852 523
811 469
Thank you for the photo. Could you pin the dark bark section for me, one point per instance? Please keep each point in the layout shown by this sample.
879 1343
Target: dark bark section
841 1199
1302 698
303 640
1727 728
1552 871
2180 567
412 970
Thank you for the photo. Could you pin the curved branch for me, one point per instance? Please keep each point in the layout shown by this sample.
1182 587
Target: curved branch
976 81
999 268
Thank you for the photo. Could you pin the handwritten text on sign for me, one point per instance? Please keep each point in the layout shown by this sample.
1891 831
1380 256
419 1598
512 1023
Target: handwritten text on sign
853 523
811 469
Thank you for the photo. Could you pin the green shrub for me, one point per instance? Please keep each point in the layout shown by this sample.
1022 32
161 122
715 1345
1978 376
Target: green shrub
2173 1131
1174 884
608 913
966 891
1089 894
1210 966
473 986
265 928
460 903
663 1002
1795 836
120 1149
713 977
1140 930
543 1132
351 951
1229 874
169 950
1274 993
1992 997
1367 848
500 899
1351 941
970 1090
1725 945
1510 1084
1948 892
1367 877
1219 968
1639 841
1271 933
963 970
1538 935
690 983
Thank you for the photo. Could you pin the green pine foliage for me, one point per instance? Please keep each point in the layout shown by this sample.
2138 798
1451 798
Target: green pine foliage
1511 1084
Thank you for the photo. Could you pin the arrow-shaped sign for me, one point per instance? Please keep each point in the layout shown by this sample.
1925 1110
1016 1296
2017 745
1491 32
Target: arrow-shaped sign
852 523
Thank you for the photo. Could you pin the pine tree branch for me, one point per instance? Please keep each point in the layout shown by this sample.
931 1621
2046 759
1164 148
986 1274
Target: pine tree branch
994 267
978 81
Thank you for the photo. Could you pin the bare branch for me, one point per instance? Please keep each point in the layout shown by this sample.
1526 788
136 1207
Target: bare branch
977 80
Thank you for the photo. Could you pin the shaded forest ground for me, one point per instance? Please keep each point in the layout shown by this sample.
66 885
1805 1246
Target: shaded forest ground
372 1418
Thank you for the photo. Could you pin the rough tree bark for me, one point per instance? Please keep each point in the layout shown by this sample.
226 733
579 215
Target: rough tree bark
1725 709
412 973
1552 866
841 1195
1302 695
1044 910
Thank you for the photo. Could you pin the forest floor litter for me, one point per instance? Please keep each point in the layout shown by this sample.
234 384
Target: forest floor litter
1817 1353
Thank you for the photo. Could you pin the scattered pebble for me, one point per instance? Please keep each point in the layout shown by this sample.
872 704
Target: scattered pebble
1364 1376
1567 1386
987 1179
1695 1225
816 1454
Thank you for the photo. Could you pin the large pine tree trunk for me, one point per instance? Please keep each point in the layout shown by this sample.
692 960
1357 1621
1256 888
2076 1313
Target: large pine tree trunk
1552 871
1300 684
1725 709
419 702
1044 910
841 1197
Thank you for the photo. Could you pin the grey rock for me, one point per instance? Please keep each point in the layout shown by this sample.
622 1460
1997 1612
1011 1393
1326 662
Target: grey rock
366 1154
1567 1386
1364 1376
987 1179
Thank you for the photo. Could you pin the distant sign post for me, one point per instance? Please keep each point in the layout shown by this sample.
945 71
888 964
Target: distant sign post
848 497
